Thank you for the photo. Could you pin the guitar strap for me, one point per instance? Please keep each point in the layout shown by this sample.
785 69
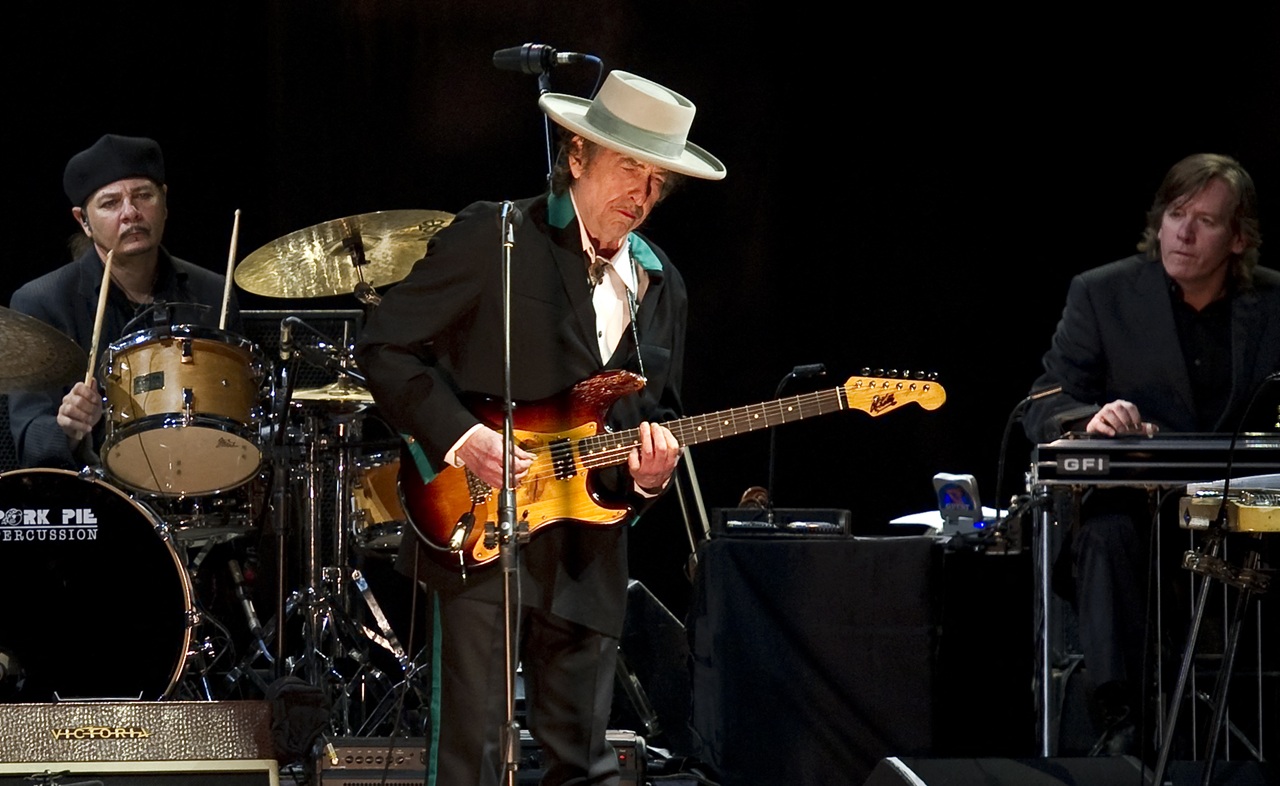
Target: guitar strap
420 459
631 304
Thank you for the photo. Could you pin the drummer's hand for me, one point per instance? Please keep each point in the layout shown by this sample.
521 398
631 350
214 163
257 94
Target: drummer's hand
1119 417
654 459
80 411
482 454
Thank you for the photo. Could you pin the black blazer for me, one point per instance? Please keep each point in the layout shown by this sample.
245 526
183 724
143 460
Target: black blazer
1117 339
67 299
438 336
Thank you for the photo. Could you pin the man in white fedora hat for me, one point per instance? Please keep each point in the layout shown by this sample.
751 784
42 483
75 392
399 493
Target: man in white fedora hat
588 294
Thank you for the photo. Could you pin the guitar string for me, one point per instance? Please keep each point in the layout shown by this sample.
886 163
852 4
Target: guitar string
619 444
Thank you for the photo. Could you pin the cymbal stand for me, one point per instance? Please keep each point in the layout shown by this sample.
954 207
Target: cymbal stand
1249 580
331 631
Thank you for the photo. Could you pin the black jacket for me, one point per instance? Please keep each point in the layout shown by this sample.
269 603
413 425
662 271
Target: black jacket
67 299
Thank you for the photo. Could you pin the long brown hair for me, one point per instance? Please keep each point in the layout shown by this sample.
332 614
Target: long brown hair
1184 180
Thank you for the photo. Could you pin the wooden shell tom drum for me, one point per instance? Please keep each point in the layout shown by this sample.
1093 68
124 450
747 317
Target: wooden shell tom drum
184 406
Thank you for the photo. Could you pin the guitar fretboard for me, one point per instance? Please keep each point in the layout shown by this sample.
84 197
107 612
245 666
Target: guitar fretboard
613 447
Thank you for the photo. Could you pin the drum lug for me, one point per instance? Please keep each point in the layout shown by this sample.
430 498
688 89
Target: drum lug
186 350
188 401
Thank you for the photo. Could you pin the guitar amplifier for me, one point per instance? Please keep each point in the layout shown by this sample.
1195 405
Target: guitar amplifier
160 743
401 761
787 522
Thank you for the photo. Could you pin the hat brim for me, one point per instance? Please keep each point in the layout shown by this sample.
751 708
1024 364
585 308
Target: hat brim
570 112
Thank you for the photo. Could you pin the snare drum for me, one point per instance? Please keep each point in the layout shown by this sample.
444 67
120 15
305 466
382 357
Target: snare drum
184 406
97 602
378 519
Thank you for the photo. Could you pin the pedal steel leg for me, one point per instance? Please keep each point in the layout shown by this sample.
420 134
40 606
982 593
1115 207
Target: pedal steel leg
1249 581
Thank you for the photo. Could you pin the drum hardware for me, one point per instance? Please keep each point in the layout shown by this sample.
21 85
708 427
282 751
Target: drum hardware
244 669
318 439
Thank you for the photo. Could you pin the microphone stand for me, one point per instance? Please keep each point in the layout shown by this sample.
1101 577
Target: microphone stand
544 87
507 543
799 372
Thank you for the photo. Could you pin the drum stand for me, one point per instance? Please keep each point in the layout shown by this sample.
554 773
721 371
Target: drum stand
1249 580
334 645
205 652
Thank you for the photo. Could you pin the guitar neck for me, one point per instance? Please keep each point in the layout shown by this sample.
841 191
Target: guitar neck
612 447
741 420
872 395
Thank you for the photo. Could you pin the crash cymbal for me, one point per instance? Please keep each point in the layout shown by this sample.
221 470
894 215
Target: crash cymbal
338 392
35 355
320 261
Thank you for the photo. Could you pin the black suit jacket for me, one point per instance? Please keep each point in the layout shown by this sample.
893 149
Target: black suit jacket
67 299
437 338
1117 339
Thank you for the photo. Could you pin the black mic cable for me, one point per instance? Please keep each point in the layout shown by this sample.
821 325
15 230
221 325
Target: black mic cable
1014 416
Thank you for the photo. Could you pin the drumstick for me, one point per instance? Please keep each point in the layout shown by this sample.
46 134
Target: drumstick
102 309
231 266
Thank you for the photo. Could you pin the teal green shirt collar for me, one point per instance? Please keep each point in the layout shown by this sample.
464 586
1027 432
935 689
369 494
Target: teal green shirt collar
560 213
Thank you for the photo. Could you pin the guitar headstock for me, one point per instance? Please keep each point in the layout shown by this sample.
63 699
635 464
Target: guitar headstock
876 395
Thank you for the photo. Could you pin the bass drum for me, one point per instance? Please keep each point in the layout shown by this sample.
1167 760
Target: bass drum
97 602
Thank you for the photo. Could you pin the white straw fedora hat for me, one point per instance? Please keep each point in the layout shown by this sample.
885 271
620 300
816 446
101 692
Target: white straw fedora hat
638 117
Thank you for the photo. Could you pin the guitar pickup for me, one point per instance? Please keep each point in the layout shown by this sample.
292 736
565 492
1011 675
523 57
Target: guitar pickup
562 459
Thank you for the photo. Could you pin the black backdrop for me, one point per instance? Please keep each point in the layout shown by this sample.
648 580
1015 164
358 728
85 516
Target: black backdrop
906 189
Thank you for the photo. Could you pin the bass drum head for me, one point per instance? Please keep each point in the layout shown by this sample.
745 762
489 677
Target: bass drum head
97 604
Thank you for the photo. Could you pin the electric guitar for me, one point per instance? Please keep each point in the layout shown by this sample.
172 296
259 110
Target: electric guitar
456 513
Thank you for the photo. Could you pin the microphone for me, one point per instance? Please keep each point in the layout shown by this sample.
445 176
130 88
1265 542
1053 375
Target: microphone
1053 391
511 215
533 58
286 338
246 603
510 219
809 370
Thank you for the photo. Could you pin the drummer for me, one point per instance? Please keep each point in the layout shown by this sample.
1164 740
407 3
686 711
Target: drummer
119 201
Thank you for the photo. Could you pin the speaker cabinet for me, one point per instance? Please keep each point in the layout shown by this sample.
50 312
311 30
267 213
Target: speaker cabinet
812 656
1097 771
402 761
148 743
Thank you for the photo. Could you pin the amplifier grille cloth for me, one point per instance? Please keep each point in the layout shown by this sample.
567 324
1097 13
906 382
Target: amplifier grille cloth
136 731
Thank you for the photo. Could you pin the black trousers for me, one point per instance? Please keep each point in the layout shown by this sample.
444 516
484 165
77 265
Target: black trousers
1110 551
568 675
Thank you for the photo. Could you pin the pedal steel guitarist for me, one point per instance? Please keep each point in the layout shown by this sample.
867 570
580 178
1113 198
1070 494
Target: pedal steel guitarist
588 293
1176 338
119 201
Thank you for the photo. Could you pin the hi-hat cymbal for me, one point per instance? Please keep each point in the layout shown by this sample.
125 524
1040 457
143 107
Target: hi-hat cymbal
321 260
35 355
338 392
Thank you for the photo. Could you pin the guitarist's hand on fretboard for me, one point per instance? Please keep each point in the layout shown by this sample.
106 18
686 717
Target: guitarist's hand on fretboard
482 454
654 459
